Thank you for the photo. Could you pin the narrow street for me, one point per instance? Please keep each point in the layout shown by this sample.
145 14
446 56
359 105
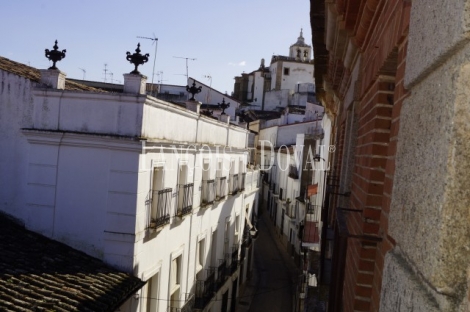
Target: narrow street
275 272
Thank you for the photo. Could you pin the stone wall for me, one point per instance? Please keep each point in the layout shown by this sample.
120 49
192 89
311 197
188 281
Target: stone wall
429 207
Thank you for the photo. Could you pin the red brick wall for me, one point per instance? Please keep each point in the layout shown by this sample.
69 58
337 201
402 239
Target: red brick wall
371 189
389 242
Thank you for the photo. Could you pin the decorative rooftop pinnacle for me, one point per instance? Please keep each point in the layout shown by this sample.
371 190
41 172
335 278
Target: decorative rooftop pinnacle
55 55
193 90
137 59
223 105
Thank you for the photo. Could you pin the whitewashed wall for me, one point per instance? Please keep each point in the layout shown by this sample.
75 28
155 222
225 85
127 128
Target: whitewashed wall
287 133
276 98
75 166
16 112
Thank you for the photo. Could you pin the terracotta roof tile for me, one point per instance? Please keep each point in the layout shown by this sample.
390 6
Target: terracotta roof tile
33 74
39 274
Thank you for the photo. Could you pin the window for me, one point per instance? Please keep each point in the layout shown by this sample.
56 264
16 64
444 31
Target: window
160 200
286 71
221 182
185 192
200 259
227 239
214 248
208 187
237 229
200 255
233 181
152 293
175 273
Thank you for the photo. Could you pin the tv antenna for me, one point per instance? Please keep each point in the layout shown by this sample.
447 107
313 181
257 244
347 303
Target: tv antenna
154 40
208 97
105 71
186 58
84 72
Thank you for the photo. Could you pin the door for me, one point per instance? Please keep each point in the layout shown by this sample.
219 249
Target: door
234 296
224 302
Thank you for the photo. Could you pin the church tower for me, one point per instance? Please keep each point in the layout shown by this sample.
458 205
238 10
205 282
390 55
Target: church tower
300 50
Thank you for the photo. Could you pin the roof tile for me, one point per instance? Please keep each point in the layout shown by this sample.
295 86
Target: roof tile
39 274
33 74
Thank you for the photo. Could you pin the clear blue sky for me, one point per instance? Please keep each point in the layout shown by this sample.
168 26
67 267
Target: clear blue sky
225 37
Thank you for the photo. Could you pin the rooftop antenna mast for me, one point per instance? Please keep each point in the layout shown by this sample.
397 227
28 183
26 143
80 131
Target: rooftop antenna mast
154 40
208 97
84 72
105 71
186 58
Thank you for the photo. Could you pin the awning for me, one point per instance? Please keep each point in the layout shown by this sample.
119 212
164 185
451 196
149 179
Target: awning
312 189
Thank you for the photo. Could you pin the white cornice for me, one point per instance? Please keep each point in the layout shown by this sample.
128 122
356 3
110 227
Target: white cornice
82 140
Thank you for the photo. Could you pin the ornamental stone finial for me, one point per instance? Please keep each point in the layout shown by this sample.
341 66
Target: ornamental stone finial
193 90
223 105
55 55
137 59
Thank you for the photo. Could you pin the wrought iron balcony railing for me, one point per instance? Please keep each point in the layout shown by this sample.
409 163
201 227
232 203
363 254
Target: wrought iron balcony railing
293 172
185 199
242 181
205 290
221 274
228 264
160 207
233 184
187 307
246 239
208 192
234 258
221 188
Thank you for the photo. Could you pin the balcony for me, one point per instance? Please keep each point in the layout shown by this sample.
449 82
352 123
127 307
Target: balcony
159 212
221 188
234 262
249 180
290 211
205 290
246 239
293 172
311 232
185 200
242 181
208 192
187 307
221 274
233 184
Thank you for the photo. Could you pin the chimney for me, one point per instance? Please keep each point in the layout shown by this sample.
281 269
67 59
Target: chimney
193 105
135 83
53 78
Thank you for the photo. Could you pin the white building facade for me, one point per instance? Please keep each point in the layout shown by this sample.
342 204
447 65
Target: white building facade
151 188
294 157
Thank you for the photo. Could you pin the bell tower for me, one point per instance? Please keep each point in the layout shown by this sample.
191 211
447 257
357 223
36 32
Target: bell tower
300 50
